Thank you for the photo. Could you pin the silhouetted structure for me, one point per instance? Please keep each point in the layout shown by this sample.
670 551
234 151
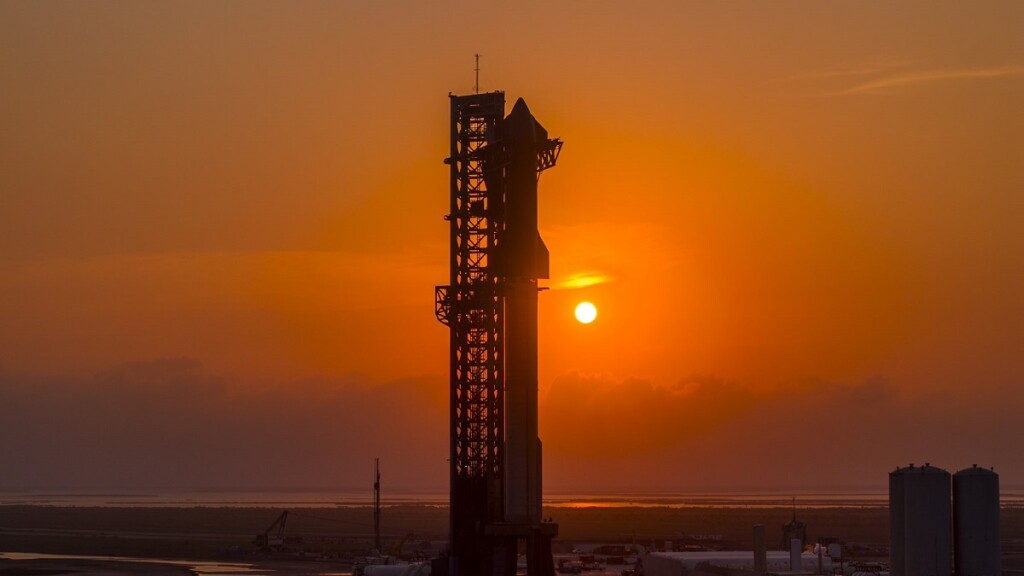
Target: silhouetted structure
920 522
760 551
976 549
490 306
793 530
376 504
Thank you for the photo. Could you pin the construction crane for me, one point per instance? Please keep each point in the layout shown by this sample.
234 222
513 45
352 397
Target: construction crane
396 550
273 539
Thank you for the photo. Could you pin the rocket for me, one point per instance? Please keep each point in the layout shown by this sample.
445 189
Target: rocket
521 260
497 258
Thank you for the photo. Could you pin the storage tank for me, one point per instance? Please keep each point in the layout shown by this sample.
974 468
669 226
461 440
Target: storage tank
760 550
976 522
921 540
796 551
683 563
896 532
414 569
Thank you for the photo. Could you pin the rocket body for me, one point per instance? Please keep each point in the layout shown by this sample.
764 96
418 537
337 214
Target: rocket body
523 261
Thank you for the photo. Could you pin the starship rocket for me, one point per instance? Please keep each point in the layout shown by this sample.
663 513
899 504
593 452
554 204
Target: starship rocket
498 258
522 259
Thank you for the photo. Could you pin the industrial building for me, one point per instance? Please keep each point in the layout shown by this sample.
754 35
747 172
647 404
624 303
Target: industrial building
794 559
777 562
939 525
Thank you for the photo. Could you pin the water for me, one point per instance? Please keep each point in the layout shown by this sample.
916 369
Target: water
739 499
198 568
214 499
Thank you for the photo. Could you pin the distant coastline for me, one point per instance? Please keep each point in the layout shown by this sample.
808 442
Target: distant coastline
221 533
805 499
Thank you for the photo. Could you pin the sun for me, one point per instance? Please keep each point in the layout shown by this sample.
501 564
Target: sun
586 312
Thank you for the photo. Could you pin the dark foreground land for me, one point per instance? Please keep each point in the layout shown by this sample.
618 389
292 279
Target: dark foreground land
344 533
58 567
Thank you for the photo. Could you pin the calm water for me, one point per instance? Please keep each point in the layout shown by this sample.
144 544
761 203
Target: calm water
751 499
197 568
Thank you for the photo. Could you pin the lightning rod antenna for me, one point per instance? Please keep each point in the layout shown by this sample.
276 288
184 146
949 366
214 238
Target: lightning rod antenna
476 87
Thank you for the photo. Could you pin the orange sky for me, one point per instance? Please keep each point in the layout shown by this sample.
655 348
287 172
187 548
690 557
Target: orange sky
798 210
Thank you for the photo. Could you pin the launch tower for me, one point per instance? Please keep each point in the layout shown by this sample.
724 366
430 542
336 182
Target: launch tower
490 307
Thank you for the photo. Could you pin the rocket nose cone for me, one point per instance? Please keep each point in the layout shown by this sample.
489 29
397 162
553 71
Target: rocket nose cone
520 121
520 107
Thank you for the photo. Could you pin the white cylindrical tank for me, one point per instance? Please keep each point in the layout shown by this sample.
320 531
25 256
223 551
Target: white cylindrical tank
760 550
416 569
835 551
681 563
926 533
796 549
976 522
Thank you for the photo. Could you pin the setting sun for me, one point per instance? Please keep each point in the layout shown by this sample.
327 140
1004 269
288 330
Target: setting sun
586 312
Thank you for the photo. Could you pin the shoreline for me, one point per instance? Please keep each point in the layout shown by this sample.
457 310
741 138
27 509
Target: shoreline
226 534
805 499
86 566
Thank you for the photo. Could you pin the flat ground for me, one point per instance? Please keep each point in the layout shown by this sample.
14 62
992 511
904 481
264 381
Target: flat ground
59 567
227 534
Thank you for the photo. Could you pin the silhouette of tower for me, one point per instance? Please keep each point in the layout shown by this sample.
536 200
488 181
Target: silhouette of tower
490 307
793 530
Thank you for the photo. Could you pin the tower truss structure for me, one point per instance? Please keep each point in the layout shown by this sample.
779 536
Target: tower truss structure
471 306
496 259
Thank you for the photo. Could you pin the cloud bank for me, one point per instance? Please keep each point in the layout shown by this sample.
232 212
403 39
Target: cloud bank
168 424
707 433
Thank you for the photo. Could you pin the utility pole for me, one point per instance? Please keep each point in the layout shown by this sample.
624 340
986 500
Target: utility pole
376 504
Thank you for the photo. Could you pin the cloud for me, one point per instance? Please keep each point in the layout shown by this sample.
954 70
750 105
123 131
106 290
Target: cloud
580 280
705 432
894 82
169 424
868 69
599 417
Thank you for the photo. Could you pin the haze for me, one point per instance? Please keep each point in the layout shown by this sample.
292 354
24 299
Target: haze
221 226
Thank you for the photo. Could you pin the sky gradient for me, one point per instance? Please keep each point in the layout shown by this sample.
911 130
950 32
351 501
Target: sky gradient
221 225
